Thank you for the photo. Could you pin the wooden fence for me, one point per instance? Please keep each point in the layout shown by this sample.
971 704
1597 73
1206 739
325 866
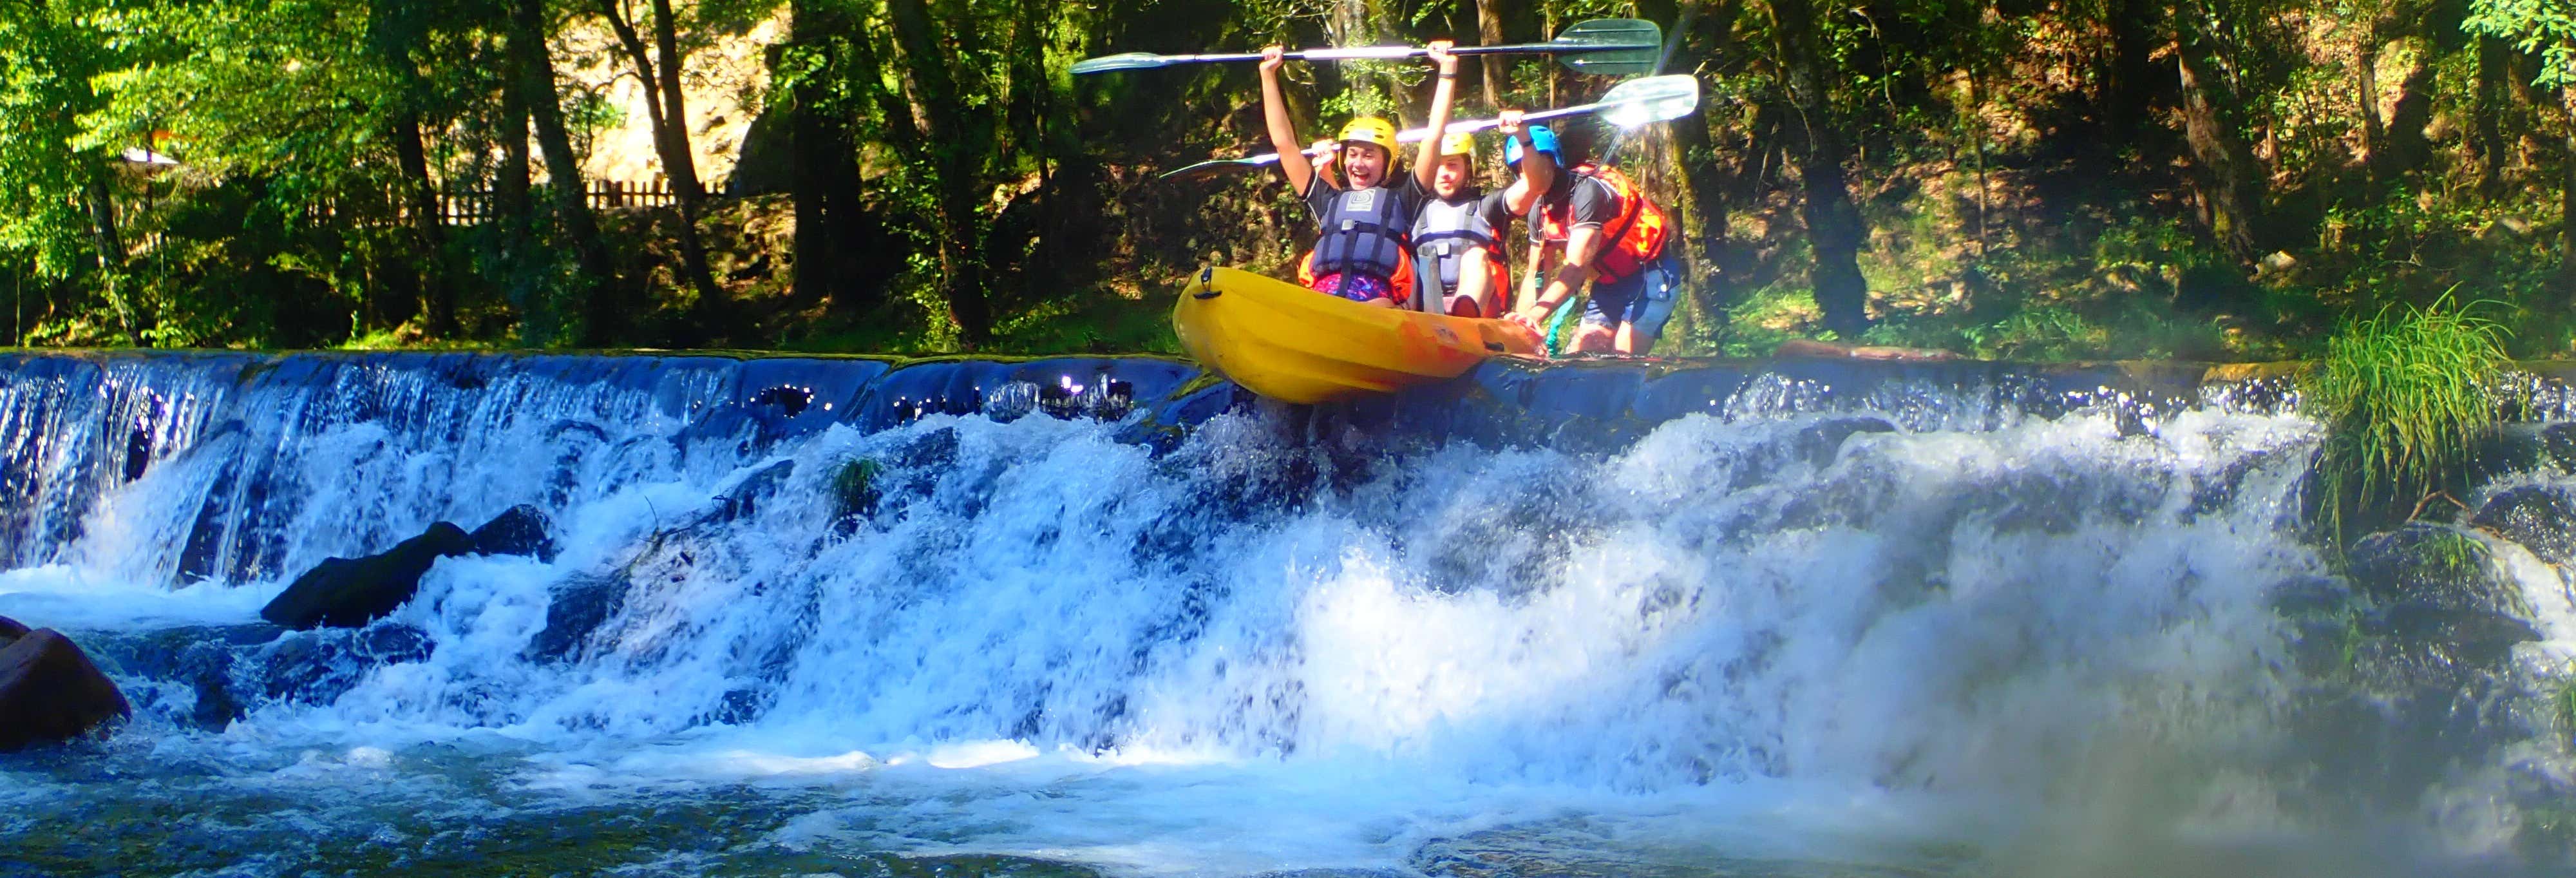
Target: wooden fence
467 207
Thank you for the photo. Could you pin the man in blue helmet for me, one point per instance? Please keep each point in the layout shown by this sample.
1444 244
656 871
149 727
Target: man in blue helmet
1533 151
1599 227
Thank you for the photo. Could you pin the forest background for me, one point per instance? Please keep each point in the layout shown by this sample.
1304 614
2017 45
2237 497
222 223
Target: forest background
2035 179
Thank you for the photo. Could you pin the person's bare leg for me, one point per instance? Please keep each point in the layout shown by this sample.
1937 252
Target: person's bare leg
1593 338
1633 343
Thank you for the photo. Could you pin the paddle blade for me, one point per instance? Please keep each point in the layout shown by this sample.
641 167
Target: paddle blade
1652 99
1128 61
1611 46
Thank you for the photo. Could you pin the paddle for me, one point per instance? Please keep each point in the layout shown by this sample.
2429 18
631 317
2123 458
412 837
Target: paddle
1610 46
1628 105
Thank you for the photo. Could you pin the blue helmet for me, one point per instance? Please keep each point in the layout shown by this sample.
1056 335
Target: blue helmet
1541 138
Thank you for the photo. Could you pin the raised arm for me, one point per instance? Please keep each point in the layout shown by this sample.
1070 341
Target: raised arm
1283 133
1426 160
1538 171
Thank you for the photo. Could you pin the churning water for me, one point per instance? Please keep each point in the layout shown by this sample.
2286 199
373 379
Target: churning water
1077 616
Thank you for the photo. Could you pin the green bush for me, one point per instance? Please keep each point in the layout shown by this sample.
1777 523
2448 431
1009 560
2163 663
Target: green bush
2403 394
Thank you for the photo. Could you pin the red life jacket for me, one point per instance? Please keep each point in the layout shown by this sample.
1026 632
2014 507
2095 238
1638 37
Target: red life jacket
1635 237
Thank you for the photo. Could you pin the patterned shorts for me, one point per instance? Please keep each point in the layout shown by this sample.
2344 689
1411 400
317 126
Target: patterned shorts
1355 287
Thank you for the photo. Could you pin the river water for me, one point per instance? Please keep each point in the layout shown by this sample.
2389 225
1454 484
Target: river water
1081 617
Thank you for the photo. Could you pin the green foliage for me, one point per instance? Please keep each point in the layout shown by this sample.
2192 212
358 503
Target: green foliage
2546 28
2009 212
48 55
2404 394
2563 706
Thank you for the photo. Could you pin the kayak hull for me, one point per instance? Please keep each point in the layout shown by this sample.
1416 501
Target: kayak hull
1296 345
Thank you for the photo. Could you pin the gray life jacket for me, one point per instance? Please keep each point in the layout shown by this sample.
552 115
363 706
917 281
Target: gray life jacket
1363 232
1442 234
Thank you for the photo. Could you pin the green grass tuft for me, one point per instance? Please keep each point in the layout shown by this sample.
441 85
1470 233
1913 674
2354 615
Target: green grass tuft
854 487
2404 394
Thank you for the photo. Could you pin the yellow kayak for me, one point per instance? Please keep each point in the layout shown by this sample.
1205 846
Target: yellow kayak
1293 344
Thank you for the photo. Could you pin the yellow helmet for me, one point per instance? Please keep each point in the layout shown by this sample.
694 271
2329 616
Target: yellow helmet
1459 143
1370 130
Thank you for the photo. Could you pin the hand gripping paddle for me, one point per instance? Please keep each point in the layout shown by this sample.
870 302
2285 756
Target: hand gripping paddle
1628 105
1610 46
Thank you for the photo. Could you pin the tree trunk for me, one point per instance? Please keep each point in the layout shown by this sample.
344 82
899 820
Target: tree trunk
953 160
1711 34
511 205
420 199
2486 135
604 313
2129 87
2406 147
2374 136
105 239
666 109
823 171
1489 32
2224 173
110 245
1835 228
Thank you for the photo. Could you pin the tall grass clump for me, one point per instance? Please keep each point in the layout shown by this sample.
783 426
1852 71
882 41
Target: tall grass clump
2404 395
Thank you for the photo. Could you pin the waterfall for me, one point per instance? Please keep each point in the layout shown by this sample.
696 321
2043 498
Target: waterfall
1974 584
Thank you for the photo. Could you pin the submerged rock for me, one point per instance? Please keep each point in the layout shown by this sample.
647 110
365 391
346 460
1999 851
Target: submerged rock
581 604
2541 519
319 667
351 592
2440 585
522 530
49 690
2426 661
200 657
1821 443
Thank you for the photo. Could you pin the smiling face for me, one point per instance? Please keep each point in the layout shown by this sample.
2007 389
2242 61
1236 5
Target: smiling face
1450 177
1365 163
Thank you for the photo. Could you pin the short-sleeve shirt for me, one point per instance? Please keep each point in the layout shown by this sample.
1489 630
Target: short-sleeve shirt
1497 211
1593 201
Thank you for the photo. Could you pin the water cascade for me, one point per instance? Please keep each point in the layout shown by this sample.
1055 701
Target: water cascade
1104 615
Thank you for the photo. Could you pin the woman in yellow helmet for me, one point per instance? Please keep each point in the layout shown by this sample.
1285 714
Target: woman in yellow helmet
1360 248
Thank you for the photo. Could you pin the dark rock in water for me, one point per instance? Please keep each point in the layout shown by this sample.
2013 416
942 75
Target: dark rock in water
351 592
1821 443
319 667
746 496
10 630
2541 519
581 604
50 692
520 531
2435 564
2309 594
2439 584
389 644
201 656
737 707
2558 445
138 453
